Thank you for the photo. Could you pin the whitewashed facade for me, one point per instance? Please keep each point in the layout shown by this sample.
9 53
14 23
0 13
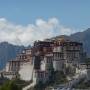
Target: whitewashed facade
26 71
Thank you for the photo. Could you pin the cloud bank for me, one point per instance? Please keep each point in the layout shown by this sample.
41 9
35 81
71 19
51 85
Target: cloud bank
25 35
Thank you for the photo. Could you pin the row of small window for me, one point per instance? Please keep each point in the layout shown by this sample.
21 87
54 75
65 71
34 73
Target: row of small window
15 64
41 74
58 55
73 55
23 57
49 60
74 47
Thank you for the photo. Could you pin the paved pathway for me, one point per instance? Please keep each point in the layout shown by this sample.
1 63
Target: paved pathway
27 87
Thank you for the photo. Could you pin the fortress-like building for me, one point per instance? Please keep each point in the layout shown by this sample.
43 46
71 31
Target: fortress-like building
38 62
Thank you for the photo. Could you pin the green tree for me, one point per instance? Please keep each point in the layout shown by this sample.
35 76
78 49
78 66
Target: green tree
10 85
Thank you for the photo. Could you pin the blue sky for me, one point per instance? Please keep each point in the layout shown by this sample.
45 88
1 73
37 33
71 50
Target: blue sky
72 13
40 19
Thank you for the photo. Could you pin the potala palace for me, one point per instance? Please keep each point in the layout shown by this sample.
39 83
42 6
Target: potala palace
38 62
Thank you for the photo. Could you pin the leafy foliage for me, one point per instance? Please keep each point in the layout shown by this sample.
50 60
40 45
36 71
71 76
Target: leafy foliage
10 85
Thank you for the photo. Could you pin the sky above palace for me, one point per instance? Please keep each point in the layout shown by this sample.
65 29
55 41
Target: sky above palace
24 21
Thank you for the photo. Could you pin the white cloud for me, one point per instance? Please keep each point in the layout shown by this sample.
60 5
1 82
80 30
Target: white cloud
25 35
